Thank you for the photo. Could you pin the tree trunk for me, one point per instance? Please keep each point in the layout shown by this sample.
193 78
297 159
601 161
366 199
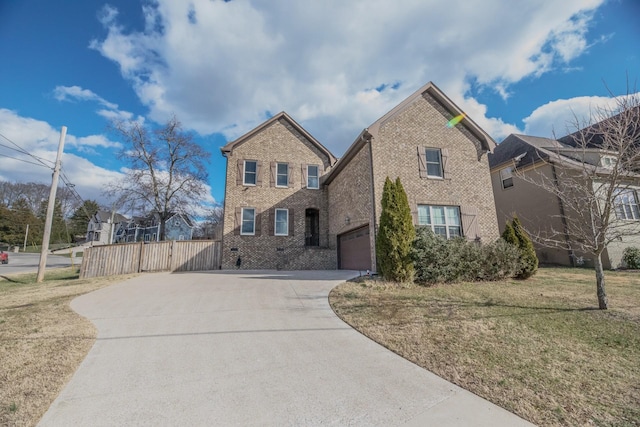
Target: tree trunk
161 232
602 295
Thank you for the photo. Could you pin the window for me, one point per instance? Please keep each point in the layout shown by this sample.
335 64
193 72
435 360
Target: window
282 222
146 237
506 176
248 226
154 237
443 220
312 176
433 159
250 172
282 175
626 205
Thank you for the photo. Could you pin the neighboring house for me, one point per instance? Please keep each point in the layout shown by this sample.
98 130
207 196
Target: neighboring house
521 159
100 227
290 205
146 229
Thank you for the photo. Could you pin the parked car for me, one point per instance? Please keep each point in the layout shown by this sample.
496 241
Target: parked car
4 257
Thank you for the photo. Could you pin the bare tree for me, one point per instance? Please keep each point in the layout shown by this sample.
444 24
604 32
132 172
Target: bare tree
211 227
596 179
166 173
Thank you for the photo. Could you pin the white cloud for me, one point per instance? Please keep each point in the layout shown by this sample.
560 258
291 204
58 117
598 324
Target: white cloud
76 93
564 116
32 157
221 66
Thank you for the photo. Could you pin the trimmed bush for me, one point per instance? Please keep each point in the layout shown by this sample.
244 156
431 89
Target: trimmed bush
529 259
631 257
395 234
437 260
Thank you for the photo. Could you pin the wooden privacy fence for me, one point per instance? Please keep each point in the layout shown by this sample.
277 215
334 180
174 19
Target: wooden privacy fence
127 258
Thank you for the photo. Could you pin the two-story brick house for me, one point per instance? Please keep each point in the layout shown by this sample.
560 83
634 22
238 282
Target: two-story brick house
276 212
444 171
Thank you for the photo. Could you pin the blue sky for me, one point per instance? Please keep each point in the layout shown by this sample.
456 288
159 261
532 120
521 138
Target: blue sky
334 66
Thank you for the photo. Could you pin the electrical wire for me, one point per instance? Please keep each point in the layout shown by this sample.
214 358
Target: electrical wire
26 161
22 150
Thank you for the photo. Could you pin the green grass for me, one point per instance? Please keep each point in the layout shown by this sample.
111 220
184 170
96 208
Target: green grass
539 348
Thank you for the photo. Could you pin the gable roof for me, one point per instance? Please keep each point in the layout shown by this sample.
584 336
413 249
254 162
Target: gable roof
593 134
105 216
524 150
430 88
372 131
228 149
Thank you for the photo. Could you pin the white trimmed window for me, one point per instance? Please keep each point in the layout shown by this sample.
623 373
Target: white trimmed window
313 179
443 220
248 227
433 160
626 205
506 176
282 175
250 172
281 222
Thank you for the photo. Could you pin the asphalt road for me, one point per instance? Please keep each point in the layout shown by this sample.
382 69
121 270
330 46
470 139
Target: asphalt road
247 349
28 263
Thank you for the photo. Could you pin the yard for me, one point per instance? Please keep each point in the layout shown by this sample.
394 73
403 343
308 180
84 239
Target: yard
42 341
539 348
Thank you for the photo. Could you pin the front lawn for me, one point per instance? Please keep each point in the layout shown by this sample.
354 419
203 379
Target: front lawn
539 348
42 340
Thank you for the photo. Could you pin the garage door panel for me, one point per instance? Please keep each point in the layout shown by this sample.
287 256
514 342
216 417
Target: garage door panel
355 250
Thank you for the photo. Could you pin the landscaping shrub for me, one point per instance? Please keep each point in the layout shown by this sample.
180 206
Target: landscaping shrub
529 259
631 257
437 260
516 235
395 234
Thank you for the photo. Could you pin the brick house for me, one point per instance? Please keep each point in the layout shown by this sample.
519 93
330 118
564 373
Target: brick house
332 211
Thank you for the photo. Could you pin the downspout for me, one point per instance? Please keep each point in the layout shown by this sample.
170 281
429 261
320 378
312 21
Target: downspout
374 260
564 219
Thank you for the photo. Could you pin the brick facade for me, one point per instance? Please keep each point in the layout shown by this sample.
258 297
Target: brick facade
397 144
277 141
351 189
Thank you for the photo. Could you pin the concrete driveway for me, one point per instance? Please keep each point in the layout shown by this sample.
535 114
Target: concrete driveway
247 348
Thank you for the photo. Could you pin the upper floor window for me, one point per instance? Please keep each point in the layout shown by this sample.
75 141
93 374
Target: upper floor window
281 222
443 220
433 159
248 226
626 205
282 175
432 163
506 176
313 179
250 172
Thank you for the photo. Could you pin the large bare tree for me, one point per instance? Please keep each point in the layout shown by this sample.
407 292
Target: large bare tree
597 182
166 169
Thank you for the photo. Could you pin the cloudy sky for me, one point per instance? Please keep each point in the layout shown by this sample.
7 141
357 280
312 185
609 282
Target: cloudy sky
223 67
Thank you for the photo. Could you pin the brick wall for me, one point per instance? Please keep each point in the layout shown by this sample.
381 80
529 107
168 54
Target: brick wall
423 124
279 142
350 196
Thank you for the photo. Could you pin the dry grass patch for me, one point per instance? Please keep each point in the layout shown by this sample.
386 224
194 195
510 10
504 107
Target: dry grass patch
539 348
42 341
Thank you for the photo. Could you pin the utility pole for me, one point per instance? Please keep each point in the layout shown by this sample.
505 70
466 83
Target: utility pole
26 233
50 207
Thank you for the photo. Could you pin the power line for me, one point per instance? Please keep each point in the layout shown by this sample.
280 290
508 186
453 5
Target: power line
26 161
23 151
